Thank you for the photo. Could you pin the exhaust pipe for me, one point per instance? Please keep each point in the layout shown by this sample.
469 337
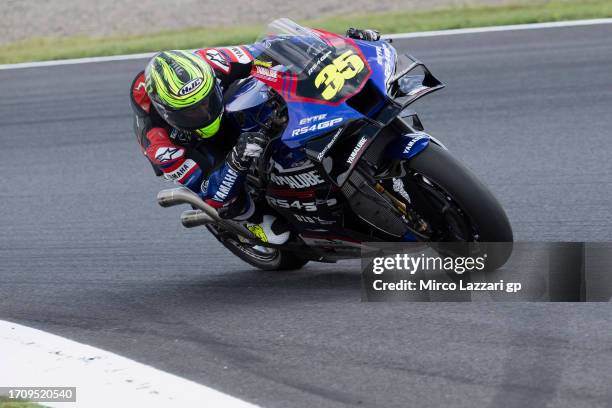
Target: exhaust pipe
179 195
183 195
195 218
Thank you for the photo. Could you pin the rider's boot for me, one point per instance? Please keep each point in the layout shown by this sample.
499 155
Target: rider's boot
266 227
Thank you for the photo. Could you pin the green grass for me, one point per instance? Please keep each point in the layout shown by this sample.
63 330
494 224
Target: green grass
6 403
405 21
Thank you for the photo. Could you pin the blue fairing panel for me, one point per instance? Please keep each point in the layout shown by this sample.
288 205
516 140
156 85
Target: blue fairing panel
309 117
251 93
381 56
249 103
307 120
408 145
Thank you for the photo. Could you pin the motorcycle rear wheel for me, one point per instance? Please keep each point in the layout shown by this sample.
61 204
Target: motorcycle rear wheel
267 259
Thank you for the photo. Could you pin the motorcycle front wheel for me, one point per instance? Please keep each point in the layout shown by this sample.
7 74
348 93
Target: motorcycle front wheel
457 206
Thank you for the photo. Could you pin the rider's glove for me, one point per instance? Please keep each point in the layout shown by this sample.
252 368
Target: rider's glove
366 35
181 137
250 146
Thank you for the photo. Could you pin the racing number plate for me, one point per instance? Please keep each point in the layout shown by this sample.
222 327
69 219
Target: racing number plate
331 79
337 80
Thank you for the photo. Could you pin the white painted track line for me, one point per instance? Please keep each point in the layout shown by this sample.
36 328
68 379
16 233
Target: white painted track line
493 29
76 61
476 30
31 357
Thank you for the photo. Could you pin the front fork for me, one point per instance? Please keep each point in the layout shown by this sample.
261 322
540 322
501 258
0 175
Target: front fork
412 141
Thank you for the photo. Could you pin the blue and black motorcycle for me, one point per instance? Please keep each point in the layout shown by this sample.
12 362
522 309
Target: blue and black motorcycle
347 162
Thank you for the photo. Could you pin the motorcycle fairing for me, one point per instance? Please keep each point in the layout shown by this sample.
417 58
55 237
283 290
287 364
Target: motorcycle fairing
304 197
317 73
382 55
318 67
248 94
309 120
412 80
408 145
333 134
246 104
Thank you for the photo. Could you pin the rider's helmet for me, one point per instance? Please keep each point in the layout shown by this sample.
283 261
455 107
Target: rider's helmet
183 89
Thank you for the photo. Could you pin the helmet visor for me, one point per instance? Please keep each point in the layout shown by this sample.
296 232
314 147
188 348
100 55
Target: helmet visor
197 116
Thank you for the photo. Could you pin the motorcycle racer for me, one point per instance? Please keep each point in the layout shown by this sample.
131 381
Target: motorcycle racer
178 120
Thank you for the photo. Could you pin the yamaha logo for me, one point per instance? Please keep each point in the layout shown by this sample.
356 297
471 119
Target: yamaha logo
190 86
356 150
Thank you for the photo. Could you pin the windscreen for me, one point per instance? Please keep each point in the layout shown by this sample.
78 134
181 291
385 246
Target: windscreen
325 66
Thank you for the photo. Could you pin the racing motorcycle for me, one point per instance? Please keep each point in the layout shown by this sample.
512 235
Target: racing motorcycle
348 162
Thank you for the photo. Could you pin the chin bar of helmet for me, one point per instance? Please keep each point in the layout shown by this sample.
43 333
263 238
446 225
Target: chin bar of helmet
205 214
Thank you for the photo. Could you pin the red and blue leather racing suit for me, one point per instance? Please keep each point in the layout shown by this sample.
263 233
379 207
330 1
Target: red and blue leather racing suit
199 165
